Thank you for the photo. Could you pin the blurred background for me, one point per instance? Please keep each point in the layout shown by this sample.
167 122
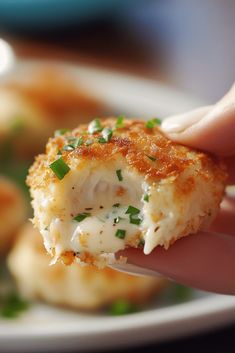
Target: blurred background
187 43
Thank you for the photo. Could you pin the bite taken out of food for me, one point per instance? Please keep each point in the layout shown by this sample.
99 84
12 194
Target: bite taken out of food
117 183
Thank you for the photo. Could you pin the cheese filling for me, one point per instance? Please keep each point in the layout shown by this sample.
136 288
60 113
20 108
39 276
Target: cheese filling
97 210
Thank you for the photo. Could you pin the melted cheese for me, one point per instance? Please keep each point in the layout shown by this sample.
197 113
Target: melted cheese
95 190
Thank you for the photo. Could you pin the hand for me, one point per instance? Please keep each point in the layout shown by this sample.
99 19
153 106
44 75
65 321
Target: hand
205 260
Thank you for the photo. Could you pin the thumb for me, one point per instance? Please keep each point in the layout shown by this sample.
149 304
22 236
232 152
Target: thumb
210 128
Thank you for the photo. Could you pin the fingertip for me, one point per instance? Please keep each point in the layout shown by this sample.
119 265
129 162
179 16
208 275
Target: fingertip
193 260
179 123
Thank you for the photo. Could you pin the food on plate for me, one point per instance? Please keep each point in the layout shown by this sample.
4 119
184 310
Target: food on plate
118 183
75 286
13 212
33 107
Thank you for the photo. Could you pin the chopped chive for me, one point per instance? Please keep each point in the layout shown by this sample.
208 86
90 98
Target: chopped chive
59 153
95 126
123 307
119 174
151 123
61 132
81 216
120 233
132 210
180 293
107 134
75 141
60 168
13 305
151 158
101 140
119 123
71 139
157 121
89 142
68 148
146 198
134 219
79 141
116 205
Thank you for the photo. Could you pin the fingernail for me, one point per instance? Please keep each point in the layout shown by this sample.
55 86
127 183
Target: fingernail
181 122
176 124
135 270
171 127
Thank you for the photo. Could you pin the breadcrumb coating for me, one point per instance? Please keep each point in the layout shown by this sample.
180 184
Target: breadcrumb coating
128 161
134 142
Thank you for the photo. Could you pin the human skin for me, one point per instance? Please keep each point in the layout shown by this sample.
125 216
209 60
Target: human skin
205 260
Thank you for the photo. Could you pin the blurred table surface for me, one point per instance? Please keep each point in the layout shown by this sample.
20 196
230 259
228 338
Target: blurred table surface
102 44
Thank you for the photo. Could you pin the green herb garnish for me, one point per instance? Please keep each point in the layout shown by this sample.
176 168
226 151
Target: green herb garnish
60 168
13 305
81 216
180 293
101 140
132 210
133 215
107 134
79 142
89 142
68 148
120 233
146 197
134 219
95 126
151 123
59 153
119 174
122 307
151 158
75 141
61 132
119 123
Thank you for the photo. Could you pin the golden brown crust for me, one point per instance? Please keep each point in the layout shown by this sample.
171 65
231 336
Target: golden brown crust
135 143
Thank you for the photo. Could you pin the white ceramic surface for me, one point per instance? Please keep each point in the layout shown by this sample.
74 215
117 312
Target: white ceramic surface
43 328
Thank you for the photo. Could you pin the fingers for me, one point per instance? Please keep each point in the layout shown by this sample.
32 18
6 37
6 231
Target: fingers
209 128
225 221
230 162
205 261
177 124
186 261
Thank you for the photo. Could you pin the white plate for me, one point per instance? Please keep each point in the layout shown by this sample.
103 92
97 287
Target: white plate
43 328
